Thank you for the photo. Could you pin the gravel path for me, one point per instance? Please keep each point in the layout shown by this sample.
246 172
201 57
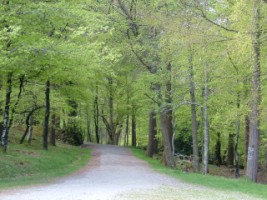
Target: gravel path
114 174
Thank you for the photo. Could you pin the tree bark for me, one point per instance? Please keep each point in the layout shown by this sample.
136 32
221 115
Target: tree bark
96 117
21 80
29 123
53 130
88 128
126 138
152 139
206 124
4 137
247 124
230 153
193 112
133 130
47 114
218 156
253 149
164 122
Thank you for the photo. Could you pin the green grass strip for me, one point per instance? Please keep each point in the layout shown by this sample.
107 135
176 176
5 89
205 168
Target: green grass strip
23 165
226 184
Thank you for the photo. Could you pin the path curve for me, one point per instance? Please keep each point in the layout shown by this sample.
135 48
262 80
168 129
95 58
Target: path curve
113 173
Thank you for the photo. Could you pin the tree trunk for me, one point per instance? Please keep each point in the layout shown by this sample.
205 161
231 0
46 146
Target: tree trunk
206 124
4 137
29 123
253 149
133 130
89 138
164 125
168 101
193 112
218 156
53 130
21 80
47 114
237 136
30 130
126 138
247 124
152 139
96 117
230 153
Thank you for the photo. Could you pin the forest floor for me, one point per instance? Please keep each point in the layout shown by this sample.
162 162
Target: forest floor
113 173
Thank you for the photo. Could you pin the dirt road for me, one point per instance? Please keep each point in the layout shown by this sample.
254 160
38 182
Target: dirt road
114 174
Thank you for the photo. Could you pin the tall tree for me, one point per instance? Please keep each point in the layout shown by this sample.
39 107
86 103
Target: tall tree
253 148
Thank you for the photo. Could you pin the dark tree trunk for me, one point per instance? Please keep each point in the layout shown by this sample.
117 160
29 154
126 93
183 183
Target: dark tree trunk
21 80
53 130
206 124
29 123
164 125
218 156
230 154
4 137
193 112
88 128
133 130
253 149
126 138
152 140
96 117
237 136
47 114
247 123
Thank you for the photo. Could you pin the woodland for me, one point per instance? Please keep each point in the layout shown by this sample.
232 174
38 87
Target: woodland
178 78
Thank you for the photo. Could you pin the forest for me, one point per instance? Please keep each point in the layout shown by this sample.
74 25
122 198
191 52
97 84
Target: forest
178 78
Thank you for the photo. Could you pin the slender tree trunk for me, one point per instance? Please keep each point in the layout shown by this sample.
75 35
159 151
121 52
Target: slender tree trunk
133 130
21 79
218 150
206 124
152 140
111 111
193 112
230 154
47 114
126 138
237 136
4 137
88 128
253 149
247 124
96 117
53 130
168 100
30 130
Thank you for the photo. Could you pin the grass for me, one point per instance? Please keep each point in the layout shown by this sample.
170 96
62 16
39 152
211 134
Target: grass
26 165
215 182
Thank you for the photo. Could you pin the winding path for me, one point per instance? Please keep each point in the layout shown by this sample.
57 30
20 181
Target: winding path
114 173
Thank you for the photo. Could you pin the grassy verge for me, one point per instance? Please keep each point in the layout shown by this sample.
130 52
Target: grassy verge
24 165
221 183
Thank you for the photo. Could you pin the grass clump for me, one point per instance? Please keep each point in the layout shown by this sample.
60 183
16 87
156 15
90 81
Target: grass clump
25 165
235 185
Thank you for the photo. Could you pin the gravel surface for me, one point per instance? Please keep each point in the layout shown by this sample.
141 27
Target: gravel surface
114 174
